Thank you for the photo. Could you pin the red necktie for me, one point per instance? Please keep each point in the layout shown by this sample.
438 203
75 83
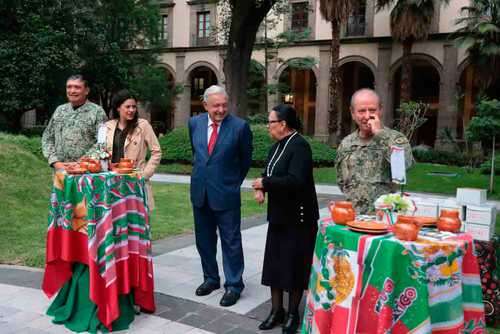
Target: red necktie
213 138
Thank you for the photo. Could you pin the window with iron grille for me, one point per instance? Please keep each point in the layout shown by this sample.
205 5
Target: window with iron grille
356 23
203 24
300 12
164 27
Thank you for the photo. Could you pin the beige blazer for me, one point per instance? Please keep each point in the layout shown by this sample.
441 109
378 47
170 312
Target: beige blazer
136 148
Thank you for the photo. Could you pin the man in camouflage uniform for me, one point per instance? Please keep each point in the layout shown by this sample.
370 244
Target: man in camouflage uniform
72 130
363 157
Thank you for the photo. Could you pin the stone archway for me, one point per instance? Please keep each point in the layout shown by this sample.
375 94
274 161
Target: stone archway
299 89
200 76
425 87
357 72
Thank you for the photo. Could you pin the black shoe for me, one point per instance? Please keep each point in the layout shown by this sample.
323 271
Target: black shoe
206 288
291 324
274 318
230 298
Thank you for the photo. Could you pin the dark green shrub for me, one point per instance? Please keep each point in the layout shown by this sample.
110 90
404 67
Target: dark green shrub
32 144
176 147
473 159
34 131
485 167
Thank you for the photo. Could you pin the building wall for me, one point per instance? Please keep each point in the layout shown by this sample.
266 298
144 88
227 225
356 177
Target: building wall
376 50
449 14
181 12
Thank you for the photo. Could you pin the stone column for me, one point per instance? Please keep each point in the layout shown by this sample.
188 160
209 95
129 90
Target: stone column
183 100
447 114
382 80
322 95
272 66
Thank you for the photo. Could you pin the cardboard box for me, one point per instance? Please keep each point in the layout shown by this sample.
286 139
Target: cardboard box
480 232
472 196
426 207
452 204
482 215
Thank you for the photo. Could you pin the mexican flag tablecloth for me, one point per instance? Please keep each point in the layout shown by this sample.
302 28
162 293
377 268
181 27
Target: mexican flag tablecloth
364 283
101 220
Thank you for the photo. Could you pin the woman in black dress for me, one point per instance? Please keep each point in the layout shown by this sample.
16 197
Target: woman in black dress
292 213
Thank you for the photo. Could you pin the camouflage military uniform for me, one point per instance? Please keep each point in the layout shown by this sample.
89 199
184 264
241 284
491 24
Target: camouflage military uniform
71 133
363 167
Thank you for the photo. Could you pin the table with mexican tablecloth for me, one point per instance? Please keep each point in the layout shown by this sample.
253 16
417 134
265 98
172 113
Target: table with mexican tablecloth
364 283
98 230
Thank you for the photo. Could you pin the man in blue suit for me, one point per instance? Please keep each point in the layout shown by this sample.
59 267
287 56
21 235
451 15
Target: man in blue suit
222 153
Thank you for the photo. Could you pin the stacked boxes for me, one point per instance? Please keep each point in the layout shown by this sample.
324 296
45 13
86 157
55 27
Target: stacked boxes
428 207
479 217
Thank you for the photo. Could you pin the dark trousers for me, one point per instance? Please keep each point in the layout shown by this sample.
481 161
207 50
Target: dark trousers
228 222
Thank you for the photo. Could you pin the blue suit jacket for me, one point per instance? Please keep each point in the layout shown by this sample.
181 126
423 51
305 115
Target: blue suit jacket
218 177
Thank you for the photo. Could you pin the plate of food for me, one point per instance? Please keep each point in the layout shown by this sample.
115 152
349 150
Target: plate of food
371 225
123 170
76 170
368 231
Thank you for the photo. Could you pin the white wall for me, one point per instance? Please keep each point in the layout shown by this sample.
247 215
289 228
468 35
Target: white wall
369 51
448 15
434 49
211 57
381 23
181 14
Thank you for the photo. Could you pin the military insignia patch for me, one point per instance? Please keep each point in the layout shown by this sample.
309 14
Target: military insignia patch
400 140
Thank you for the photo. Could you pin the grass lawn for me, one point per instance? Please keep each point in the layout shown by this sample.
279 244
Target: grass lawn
418 178
174 214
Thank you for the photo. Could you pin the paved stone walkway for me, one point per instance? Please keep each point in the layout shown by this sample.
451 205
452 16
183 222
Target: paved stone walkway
177 274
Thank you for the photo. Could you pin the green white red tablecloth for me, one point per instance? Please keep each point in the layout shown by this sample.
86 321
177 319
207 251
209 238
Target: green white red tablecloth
101 220
364 283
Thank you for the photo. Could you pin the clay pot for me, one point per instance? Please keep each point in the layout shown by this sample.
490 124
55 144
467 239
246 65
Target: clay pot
126 163
94 167
405 231
406 220
342 212
84 165
449 221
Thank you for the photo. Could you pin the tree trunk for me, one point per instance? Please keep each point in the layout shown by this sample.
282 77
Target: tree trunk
406 72
245 21
335 114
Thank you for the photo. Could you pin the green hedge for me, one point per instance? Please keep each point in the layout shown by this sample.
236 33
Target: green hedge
176 147
447 158
485 167
32 144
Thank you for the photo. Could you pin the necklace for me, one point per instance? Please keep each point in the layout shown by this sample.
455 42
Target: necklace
269 169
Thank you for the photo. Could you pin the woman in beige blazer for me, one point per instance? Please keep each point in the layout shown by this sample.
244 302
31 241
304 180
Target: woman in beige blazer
129 136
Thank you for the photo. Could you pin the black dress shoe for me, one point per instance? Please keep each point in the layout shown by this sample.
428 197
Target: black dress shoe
206 288
274 318
291 324
230 298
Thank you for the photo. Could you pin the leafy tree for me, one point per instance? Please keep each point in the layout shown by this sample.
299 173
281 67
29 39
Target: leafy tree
410 22
43 41
411 117
485 127
245 19
35 54
480 35
336 12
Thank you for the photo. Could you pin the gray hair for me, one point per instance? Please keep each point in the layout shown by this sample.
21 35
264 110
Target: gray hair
365 90
214 89
78 77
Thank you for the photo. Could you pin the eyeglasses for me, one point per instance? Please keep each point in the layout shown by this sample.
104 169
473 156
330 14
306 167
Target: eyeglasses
273 121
